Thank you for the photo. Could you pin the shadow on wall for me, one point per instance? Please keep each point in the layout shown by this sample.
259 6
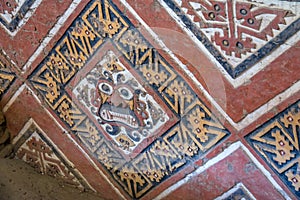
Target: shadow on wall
20 181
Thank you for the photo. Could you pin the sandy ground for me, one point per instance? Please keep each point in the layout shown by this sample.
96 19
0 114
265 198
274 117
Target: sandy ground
18 181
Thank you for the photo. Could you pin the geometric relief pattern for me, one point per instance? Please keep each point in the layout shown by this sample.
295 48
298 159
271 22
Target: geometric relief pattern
12 12
237 192
6 76
123 107
239 33
277 142
35 148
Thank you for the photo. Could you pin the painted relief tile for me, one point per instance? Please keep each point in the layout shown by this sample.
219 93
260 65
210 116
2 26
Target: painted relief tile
6 75
277 142
34 147
126 112
123 101
13 13
239 34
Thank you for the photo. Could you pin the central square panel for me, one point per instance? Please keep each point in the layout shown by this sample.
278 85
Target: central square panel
127 113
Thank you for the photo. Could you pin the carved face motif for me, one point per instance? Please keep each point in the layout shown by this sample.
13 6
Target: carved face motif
124 108
121 103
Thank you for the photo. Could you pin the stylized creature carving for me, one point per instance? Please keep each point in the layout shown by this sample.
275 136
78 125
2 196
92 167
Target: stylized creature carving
121 103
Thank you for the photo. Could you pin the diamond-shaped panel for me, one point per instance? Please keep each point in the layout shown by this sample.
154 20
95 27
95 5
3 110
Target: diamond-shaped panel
240 34
119 96
34 147
277 142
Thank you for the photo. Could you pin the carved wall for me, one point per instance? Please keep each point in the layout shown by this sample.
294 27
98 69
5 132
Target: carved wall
155 99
